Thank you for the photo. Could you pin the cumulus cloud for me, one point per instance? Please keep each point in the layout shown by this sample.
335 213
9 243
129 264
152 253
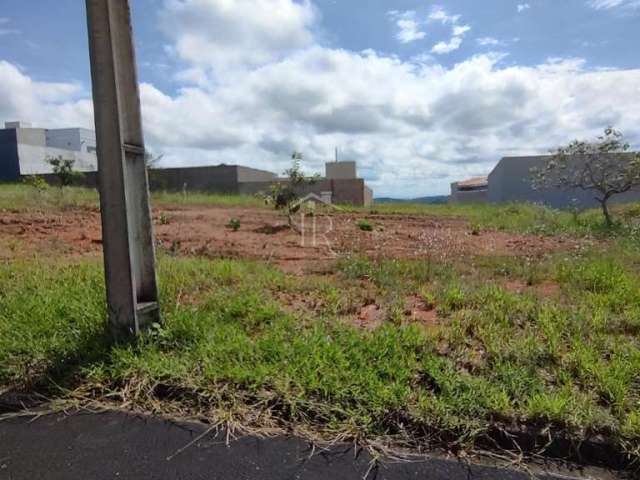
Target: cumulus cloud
217 33
46 103
409 29
439 14
413 127
524 6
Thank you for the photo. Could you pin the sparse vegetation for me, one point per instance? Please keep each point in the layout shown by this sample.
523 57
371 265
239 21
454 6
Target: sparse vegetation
568 362
604 167
234 224
63 169
36 182
432 351
20 197
163 219
285 195
526 218
364 225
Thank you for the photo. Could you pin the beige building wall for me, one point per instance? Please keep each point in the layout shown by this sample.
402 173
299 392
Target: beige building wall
341 170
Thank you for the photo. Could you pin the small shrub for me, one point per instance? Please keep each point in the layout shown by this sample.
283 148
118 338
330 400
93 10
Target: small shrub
356 267
364 225
36 182
453 299
234 224
63 169
428 299
475 229
284 195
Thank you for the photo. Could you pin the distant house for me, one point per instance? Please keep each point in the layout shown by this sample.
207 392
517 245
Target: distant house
510 181
24 150
473 190
340 184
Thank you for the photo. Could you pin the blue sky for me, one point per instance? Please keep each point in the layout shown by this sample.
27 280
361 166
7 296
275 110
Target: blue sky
420 93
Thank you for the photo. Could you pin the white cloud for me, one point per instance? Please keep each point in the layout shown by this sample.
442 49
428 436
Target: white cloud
439 14
413 127
44 103
460 30
609 4
441 48
488 41
523 6
227 33
409 29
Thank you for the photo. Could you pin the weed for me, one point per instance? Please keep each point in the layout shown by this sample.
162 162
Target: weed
36 182
428 298
453 299
364 225
234 224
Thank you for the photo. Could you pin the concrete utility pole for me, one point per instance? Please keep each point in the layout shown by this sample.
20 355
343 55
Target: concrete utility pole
129 256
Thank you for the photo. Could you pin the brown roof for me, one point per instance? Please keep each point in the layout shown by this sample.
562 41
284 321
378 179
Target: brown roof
474 182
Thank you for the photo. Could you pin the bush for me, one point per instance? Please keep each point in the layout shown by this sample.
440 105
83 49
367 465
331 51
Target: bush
364 225
63 169
39 183
234 224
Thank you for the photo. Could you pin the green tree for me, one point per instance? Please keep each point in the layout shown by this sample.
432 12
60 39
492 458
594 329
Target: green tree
63 169
285 195
605 167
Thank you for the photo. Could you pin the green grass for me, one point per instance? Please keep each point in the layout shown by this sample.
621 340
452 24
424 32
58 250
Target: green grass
525 218
364 225
230 346
21 197
207 199
244 341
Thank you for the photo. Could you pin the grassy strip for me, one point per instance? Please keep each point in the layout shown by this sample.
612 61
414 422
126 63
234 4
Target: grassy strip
208 199
230 341
21 197
526 218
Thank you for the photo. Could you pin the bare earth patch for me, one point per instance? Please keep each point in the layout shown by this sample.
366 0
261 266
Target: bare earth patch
418 311
201 230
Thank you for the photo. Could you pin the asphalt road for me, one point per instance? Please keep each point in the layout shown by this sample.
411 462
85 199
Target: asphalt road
119 446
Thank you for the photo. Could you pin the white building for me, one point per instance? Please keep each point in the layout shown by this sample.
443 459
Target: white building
25 150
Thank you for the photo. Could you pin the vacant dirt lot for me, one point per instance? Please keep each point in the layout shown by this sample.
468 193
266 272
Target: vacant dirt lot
263 234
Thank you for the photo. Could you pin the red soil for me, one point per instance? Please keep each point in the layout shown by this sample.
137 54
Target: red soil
201 230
